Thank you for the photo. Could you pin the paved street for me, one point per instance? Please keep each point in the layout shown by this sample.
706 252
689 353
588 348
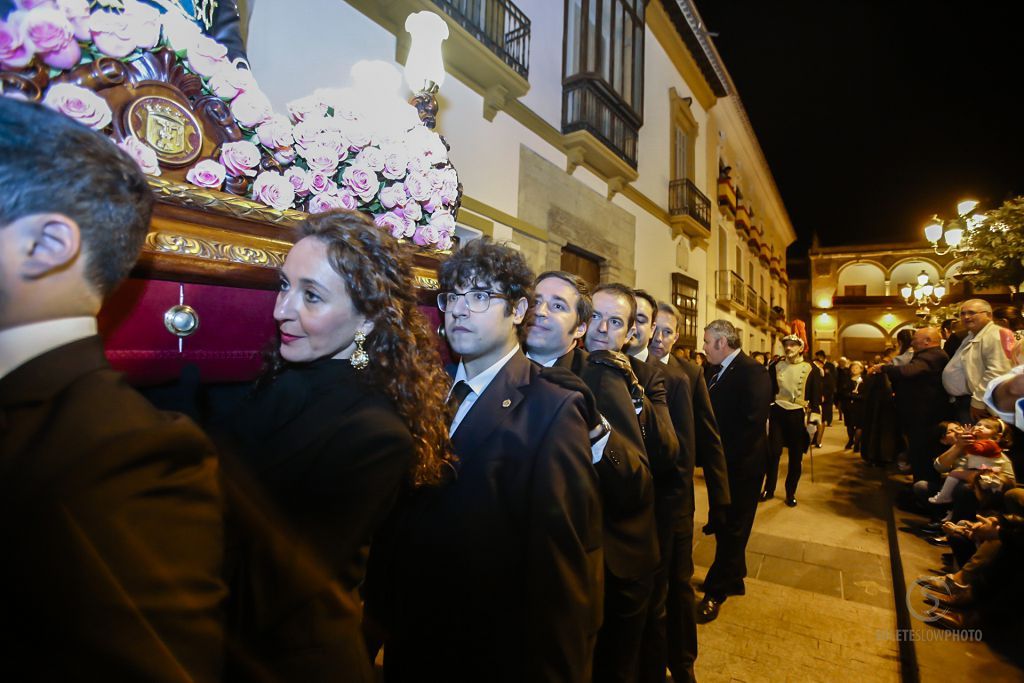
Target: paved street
819 603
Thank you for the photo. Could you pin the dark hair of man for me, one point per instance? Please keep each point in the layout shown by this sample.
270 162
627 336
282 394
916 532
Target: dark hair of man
904 337
947 324
819 354
619 288
584 305
665 307
482 260
643 294
52 164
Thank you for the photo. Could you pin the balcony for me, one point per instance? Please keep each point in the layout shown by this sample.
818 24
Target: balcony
689 209
499 25
731 292
763 313
727 198
766 255
588 107
752 301
742 218
488 45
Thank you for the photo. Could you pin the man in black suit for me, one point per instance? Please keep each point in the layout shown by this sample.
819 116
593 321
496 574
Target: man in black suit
497 575
921 402
629 585
740 395
110 511
675 639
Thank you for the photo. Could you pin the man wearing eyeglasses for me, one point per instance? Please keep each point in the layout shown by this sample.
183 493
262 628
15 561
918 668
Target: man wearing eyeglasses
497 574
979 359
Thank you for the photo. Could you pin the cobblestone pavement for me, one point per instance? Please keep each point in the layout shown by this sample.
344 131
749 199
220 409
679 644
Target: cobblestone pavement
819 603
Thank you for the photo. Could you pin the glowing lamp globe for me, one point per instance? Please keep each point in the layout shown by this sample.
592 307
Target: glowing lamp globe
953 236
933 231
966 206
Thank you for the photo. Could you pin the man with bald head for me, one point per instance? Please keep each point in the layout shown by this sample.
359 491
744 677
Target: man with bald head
920 400
979 359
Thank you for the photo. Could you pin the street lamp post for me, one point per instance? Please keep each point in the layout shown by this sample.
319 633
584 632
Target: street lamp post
923 294
951 231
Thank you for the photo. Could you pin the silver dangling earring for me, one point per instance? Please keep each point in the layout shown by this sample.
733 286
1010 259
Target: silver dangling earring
360 359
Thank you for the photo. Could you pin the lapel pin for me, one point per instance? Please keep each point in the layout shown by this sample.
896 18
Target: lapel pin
506 403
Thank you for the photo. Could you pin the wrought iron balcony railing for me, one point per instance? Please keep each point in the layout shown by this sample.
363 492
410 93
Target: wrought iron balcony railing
498 24
684 199
751 300
587 106
729 287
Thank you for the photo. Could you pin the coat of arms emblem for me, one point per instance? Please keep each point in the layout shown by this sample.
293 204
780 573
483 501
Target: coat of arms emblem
170 129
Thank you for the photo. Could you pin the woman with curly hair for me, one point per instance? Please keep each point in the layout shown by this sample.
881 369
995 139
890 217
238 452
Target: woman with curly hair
349 411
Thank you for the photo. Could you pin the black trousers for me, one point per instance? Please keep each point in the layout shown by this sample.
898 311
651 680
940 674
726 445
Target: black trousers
786 429
921 452
725 577
670 636
826 411
617 654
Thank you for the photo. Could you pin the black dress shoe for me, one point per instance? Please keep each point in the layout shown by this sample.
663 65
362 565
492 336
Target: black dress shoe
765 496
937 540
791 501
708 608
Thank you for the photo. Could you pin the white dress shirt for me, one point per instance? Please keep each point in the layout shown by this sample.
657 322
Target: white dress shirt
20 344
642 355
477 385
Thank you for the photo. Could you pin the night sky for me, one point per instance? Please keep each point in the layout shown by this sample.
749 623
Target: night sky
875 115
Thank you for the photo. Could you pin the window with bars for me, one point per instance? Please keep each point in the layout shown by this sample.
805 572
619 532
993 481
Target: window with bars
603 72
684 297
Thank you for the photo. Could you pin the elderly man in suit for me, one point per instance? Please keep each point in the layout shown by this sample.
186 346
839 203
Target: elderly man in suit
740 395
978 360
110 511
497 575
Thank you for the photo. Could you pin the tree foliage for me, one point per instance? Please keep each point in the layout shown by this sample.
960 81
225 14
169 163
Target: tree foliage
995 255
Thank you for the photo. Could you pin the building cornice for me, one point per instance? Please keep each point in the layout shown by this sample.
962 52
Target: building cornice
691 29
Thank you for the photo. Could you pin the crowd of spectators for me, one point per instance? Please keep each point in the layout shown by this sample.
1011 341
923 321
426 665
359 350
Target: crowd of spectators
946 408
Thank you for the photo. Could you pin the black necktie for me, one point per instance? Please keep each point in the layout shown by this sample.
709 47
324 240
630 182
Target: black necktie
714 377
459 393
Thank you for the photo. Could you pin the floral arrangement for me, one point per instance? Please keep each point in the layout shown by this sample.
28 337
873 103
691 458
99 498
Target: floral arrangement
333 150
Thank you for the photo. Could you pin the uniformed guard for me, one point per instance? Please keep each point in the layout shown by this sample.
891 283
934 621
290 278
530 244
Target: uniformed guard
795 414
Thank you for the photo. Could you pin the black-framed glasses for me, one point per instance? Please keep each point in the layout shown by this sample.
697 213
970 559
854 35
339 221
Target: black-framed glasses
477 300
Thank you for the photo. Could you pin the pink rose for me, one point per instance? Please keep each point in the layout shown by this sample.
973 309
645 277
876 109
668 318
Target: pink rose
82 105
362 181
143 154
251 108
325 202
336 141
308 131
144 23
348 200
207 173
284 156
77 12
276 133
444 241
32 4
207 56
240 158
112 34
417 185
358 134
425 235
398 227
442 221
306 108
320 158
372 158
418 164
299 179
274 190
413 211
14 53
395 161
393 195
321 182
181 33
47 31
229 81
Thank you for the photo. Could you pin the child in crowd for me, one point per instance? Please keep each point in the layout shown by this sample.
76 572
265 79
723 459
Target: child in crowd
975 451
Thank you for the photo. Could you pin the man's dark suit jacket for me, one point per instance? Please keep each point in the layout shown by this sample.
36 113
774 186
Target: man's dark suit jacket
498 574
741 398
110 521
697 426
627 487
920 398
659 435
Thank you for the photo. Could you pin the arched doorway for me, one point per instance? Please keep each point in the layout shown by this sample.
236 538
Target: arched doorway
861 341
